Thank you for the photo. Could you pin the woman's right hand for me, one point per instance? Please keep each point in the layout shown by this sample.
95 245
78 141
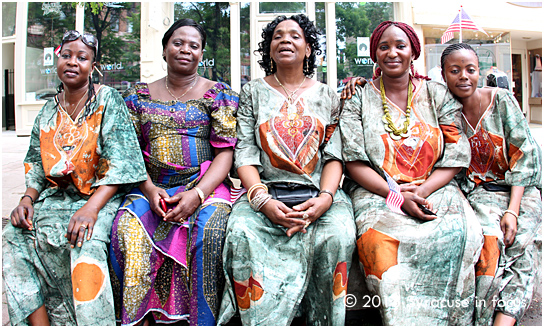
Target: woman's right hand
411 208
349 88
21 216
154 195
276 212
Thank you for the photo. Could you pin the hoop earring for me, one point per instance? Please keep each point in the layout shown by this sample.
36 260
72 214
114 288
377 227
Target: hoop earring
271 65
374 69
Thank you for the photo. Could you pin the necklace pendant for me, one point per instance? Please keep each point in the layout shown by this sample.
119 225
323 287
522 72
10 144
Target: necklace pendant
394 136
384 119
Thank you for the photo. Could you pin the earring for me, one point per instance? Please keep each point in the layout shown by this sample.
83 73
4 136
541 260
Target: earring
305 65
271 65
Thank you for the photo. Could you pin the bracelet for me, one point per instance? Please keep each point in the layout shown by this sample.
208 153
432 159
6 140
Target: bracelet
511 212
200 194
325 191
31 200
259 201
254 187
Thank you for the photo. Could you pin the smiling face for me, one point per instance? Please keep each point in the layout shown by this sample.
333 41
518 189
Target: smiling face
288 44
75 64
184 52
461 72
394 52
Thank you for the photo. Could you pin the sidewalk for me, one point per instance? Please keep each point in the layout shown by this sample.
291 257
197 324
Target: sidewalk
14 150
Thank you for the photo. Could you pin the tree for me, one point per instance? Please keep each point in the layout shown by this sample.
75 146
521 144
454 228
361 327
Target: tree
215 19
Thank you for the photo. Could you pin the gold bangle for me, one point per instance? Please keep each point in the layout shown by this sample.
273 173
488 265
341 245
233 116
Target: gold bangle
511 212
254 187
200 194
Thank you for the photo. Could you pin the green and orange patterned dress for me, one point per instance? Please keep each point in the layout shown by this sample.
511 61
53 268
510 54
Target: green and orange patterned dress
504 153
66 162
271 277
421 271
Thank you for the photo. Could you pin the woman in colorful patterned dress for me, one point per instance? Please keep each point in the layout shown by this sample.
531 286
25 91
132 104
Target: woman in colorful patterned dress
501 185
281 260
77 171
168 235
420 265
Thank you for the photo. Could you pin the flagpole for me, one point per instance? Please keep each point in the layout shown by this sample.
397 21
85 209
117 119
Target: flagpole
460 27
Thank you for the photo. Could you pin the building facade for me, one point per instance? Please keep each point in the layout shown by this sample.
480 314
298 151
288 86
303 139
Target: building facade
130 43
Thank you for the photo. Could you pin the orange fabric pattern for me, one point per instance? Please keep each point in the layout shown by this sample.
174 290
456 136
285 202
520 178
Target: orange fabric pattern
340 285
87 281
450 133
377 252
69 151
292 139
487 154
412 159
247 291
489 258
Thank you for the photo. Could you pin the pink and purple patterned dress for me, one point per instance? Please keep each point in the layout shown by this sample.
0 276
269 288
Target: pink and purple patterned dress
174 270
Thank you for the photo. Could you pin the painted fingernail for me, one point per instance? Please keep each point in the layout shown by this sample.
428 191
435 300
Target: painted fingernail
71 246
79 244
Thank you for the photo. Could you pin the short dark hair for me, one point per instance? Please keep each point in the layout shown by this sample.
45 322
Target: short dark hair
453 48
180 23
310 34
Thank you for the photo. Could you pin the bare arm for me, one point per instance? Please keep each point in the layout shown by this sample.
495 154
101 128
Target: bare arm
509 223
438 179
86 216
188 201
21 216
369 179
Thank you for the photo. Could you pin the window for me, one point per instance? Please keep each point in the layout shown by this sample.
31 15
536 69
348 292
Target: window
118 56
215 19
9 10
355 22
47 23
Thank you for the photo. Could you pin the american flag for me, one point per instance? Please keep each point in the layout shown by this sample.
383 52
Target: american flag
236 193
462 21
394 199
57 51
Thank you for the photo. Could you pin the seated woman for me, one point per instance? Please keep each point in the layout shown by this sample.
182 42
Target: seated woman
501 185
83 157
408 129
278 258
168 235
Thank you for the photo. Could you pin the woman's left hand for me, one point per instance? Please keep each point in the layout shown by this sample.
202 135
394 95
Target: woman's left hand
82 220
509 227
187 203
309 211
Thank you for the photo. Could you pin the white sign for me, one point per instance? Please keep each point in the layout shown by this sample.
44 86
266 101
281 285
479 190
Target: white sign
48 56
363 46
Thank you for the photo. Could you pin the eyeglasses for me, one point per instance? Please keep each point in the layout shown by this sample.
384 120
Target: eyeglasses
87 39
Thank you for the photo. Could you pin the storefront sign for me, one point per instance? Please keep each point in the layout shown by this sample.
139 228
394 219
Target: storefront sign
48 56
363 46
363 61
112 67
207 63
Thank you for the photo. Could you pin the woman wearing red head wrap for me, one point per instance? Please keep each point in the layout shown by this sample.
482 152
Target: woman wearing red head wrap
417 245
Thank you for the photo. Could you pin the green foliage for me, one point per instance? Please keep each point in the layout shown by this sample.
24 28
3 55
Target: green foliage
96 7
357 20
116 46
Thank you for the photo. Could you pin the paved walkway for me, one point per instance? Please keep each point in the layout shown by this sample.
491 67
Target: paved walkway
13 152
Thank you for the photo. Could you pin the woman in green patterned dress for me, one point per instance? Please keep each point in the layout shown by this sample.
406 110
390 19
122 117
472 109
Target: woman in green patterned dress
501 185
282 260
83 157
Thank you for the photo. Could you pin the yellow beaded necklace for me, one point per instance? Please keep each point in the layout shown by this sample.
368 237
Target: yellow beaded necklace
394 132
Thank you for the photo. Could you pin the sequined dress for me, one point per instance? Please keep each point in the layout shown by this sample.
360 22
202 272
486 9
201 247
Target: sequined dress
174 270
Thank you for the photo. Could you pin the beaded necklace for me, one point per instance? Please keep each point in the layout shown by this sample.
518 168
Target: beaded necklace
394 132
